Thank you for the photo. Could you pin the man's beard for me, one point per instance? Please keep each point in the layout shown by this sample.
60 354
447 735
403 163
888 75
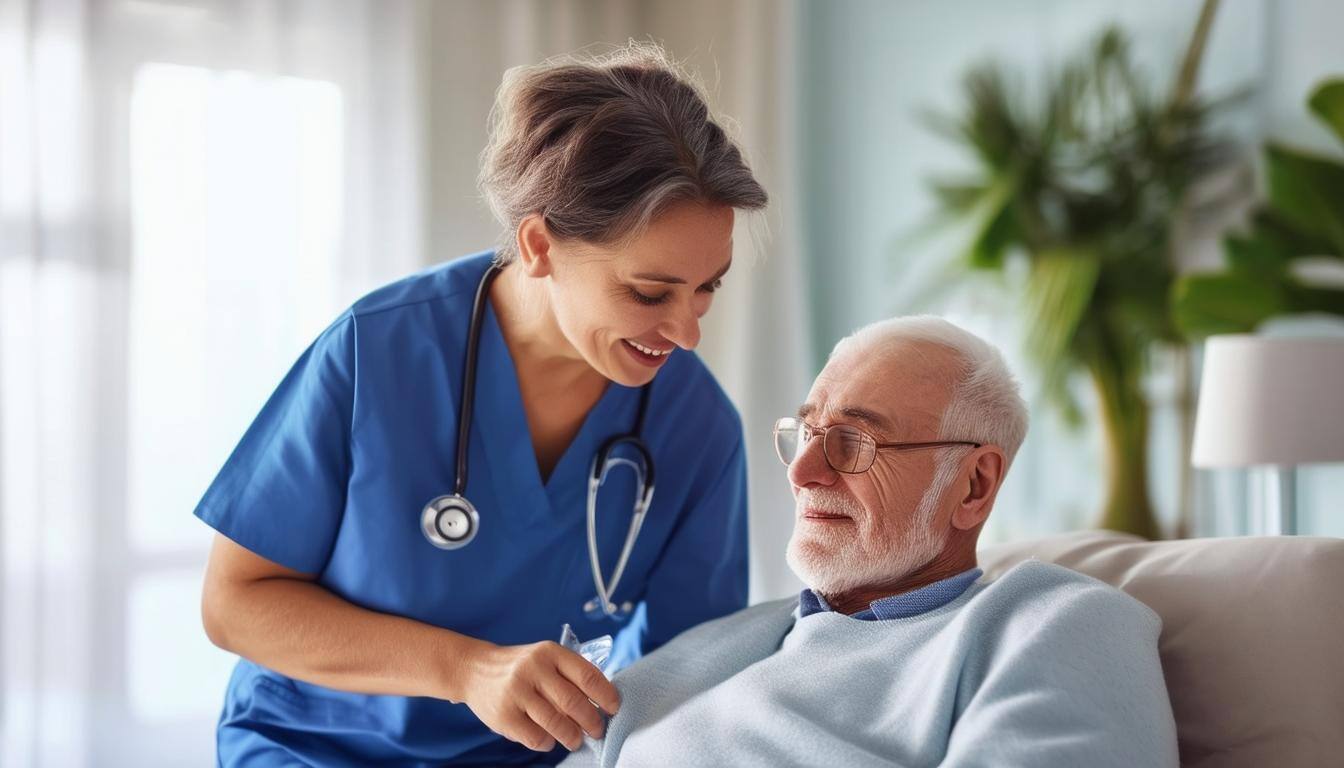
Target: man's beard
836 561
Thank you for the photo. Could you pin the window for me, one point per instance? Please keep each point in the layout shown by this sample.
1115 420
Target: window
236 191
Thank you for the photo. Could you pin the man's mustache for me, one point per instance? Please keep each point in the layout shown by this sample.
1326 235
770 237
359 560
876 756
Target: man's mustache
829 502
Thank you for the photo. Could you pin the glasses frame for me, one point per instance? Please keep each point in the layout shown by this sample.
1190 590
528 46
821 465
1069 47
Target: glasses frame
795 423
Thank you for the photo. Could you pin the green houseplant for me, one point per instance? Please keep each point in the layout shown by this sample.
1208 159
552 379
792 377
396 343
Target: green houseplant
1301 219
1085 184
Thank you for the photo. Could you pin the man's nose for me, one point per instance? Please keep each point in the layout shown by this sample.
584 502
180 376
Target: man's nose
810 467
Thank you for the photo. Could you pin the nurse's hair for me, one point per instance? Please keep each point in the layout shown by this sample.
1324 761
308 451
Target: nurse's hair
601 146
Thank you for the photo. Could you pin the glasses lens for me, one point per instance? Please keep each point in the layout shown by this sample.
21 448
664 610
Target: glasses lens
848 449
786 439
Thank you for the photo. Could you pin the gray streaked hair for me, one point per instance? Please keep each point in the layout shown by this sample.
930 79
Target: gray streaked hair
600 146
985 405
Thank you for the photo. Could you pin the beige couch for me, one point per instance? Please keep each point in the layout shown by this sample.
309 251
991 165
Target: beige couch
1252 636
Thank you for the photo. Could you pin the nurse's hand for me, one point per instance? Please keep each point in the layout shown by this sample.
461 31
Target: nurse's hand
539 694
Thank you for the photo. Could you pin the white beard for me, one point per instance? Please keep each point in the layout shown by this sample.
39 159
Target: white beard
836 562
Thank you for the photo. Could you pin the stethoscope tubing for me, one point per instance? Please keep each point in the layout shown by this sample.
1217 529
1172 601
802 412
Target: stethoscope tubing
465 514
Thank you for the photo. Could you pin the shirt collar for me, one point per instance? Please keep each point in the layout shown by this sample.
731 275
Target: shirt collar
902 606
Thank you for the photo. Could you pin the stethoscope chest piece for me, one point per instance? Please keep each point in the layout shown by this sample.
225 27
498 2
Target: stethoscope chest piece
449 521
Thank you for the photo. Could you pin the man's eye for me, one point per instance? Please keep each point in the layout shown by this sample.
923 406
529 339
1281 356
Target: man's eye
712 287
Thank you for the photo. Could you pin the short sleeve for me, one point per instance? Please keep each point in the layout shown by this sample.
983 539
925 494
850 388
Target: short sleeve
281 494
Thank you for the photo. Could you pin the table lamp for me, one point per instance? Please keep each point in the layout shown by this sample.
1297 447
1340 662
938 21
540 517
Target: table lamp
1271 403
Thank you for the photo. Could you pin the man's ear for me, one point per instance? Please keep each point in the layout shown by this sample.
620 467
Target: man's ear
986 475
534 246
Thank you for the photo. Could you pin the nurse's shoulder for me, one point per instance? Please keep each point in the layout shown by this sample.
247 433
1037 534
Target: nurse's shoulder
450 281
695 386
688 399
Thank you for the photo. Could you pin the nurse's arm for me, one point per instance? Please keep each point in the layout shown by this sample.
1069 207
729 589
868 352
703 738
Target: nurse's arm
279 618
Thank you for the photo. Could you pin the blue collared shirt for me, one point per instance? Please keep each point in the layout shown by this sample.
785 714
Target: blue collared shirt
902 606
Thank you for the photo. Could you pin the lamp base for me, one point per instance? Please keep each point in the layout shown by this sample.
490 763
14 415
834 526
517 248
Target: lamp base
1278 502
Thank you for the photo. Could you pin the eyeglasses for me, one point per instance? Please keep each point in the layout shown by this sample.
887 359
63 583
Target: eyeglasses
847 449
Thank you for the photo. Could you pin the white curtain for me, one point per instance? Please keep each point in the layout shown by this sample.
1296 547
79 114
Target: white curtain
189 190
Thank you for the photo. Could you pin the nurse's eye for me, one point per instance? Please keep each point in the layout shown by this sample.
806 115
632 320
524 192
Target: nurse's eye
645 299
712 287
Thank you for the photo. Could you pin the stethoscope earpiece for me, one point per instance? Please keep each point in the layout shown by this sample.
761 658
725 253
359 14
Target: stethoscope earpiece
449 521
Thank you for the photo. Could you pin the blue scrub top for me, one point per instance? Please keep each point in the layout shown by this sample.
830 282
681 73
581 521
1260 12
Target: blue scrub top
332 475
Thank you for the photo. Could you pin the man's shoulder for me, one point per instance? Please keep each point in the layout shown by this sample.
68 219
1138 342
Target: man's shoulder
747 626
718 647
1034 580
1035 598
771 612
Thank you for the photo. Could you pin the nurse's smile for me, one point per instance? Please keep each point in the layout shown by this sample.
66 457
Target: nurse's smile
649 356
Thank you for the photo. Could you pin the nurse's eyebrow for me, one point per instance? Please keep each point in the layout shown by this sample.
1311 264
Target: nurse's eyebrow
660 277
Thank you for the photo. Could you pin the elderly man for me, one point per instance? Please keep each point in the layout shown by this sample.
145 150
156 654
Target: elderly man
899 653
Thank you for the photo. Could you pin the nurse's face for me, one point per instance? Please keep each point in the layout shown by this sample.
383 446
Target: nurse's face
623 308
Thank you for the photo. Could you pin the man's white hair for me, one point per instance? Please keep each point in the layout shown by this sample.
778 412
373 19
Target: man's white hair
986 404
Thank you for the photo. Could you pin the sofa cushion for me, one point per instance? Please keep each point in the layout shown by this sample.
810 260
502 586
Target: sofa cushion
1252 638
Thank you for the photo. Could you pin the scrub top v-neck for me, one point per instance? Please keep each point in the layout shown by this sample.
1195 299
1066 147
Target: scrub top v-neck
330 478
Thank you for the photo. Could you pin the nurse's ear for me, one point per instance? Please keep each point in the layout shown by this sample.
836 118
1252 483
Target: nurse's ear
534 246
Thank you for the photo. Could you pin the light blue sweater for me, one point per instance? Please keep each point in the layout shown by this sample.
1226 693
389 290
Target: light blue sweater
1041 667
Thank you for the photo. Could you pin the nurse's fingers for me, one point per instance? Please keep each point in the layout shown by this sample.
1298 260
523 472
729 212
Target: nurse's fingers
531 735
555 722
574 703
590 681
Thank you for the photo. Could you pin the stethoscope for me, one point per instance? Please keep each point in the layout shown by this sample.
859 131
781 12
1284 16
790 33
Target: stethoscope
451 521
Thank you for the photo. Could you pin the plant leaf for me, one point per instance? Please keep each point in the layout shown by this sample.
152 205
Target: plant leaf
960 197
1060 288
1234 302
995 226
1254 254
1271 226
1318 299
1327 101
1307 192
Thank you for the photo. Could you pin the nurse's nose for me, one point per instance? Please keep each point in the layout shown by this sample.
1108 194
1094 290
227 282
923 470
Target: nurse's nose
683 329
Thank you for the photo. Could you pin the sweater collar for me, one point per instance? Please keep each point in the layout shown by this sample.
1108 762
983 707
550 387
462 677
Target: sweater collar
902 606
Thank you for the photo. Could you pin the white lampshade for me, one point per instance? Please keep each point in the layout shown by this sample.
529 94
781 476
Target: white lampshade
1270 400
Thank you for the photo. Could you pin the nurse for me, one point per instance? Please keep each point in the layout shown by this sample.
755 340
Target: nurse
360 640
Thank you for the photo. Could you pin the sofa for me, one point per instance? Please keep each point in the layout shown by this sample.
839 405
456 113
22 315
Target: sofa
1252 640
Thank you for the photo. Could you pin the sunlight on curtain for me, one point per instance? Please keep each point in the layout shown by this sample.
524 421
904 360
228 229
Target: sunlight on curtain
189 192
236 189
48 307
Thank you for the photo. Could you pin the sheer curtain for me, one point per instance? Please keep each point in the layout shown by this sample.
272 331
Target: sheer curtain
189 192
